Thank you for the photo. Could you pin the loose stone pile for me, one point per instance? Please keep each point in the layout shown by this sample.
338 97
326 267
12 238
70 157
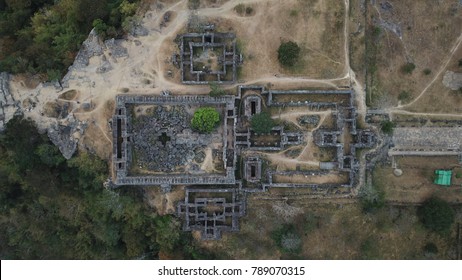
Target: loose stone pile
308 120
163 140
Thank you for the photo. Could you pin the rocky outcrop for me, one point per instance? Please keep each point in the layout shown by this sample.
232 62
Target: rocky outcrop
63 135
8 106
452 80
90 47
115 48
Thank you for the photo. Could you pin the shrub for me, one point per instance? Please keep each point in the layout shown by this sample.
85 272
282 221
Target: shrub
460 62
404 95
387 127
369 249
430 248
372 199
408 68
100 28
436 215
287 239
193 4
288 53
216 90
205 119
293 13
248 10
376 31
240 8
427 71
262 123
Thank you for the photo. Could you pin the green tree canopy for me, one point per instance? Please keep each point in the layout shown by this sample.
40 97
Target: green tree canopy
437 215
42 35
262 123
288 53
408 68
387 127
205 119
51 208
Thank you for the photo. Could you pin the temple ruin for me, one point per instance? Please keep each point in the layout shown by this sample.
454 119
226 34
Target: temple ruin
170 152
208 57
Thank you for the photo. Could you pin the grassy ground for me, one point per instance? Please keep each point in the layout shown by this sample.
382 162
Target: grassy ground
333 230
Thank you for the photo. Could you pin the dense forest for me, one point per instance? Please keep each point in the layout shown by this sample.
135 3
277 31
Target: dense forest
44 36
53 208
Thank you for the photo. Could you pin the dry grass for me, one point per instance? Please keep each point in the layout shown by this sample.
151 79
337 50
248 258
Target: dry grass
331 230
416 183
260 35
438 98
427 38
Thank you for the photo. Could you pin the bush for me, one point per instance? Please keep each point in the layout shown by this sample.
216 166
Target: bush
369 249
408 68
387 127
372 199
287 239
427 71
460 62
248 10
430 248
288 53
205 119
100 28
194 4
240 8
404 96
437 215
262 123
216 90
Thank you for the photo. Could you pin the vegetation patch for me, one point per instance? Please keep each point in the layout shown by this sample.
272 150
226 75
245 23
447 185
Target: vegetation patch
205 119
404 96
262 123
53 208
387 127
408 68
44 36
288 53
437 215
287 239
216 90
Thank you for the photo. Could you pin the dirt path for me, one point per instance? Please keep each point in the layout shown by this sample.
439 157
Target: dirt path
404 112
346 40
442 68
280 158
292 117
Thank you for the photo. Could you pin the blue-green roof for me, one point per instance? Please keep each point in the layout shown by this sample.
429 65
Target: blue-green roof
443 177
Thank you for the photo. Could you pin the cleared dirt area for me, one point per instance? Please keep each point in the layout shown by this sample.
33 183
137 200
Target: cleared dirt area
405 32
164 203
331 178
317 26
416 183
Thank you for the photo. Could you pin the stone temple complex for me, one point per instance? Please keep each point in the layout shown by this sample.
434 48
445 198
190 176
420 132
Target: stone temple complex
154 144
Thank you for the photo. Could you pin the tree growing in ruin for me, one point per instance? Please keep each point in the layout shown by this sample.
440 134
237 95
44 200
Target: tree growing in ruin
262 123
288 53
205 119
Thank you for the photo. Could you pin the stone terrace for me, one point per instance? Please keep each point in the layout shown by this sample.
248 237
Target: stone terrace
427 141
